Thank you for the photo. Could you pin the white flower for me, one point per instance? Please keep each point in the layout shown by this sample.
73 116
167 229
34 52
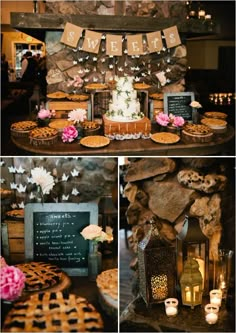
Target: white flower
77 115
195 104
43 178
94 233
91 232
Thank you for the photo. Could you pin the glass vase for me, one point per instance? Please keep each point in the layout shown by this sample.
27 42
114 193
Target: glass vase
195 116
80 131
94 262
223 271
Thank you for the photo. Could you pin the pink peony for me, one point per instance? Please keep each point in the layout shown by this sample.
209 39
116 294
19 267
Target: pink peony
44 113
69 134
162 119
178 121
12 282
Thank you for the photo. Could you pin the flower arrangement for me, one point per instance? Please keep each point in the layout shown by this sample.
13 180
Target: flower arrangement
195 105
42 178
12 282
77 82
94 233
164 119
69 134
46 114
77 116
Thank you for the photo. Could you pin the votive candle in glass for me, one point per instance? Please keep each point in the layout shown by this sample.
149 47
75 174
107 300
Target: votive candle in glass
216 297
211 313
171 307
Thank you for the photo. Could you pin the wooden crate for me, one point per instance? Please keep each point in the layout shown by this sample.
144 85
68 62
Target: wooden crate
13 244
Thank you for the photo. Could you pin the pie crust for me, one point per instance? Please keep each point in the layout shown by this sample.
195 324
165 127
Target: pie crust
16 213
157 96
197 129
57 95
40 275
141 86
60 124
214 123
53 312
43 133
165 137
78 97
90 125
107 282
94 86
23 125
215 114
95 141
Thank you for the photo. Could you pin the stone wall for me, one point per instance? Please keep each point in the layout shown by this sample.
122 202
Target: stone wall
167 189
65 63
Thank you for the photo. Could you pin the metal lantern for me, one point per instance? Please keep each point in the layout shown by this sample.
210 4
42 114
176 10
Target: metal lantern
157 267
192 242
191 284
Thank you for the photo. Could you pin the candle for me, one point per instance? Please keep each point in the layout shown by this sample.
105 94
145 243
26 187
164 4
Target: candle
211 318
171 307
171 311
201 14
211 313
188 294
216 296
208 17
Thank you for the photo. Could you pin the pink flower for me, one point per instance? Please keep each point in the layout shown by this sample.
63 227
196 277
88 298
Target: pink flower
162 119
44 113
69 134
12 282
76 82
178 121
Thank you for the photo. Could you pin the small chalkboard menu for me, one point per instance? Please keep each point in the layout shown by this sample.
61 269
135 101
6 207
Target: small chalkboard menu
178 104
52 234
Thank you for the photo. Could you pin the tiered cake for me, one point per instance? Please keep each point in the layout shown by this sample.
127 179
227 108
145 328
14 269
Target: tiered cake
124 120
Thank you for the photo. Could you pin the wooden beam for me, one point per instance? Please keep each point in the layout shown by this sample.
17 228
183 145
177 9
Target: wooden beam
118 23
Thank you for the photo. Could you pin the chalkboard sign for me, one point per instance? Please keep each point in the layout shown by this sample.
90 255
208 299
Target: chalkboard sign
178 104
52 234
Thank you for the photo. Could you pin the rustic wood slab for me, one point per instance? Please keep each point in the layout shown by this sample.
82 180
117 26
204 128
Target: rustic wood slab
106 23
221 144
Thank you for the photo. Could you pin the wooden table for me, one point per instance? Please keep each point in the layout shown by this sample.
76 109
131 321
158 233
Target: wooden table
138 317
222 144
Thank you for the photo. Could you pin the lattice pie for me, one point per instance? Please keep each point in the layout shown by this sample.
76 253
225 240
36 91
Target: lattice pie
43 133
23 125
53 312
40 275
197 129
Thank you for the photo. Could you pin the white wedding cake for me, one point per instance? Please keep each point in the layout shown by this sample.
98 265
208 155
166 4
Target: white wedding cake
124 106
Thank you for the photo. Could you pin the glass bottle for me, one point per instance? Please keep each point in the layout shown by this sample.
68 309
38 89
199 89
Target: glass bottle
94 262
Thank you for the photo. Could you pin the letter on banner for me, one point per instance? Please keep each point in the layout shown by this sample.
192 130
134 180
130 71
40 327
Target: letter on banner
172 37
71 34
92 41
135 44
154 41
114 45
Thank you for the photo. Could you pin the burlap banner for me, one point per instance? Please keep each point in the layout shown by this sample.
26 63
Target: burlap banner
71 35
92 40
114 45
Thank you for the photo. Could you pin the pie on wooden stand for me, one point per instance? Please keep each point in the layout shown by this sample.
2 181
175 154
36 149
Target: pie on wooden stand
107 283
196 133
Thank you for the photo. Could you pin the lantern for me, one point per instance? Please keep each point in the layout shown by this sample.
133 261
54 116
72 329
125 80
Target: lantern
191 283
192 242
157 267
